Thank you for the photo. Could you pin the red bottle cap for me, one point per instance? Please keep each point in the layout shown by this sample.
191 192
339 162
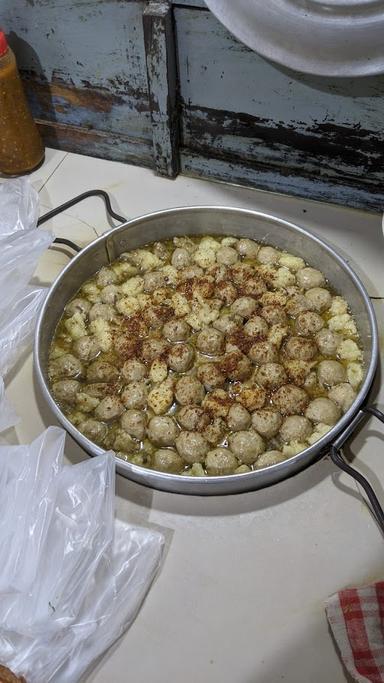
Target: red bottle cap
3 44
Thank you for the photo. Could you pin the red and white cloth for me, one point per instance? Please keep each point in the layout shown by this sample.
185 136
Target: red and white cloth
356 617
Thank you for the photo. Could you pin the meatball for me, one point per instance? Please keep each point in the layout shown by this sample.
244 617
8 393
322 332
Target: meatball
299 348
189 390
180 357
180 258
343 395
105 277
251 397
271 375
192 447
156 316
66 390
160 250
319 298
101 371
246 445
154 280
78 306
297 304
176 330
327 342
323 410
192 418
153 348
238 418
253 286
133 370
134 422
247 248
94 430
100 389
104 311
126 346
308 278
167 460
236 366
256 327
162 430
263 352
86 348
190 272
210 341
134 395
215 431
330 372
109 408
268 255
227 256
209 374
66 366
227 292
290 400
244 306
220 461
266 422
295 428
274 315
308 323
269 458
226 324
110 294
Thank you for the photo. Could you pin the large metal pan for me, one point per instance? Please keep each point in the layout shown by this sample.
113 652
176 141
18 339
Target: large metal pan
214 220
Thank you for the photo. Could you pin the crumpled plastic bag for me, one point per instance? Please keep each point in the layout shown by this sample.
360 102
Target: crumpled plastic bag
72 577
19 203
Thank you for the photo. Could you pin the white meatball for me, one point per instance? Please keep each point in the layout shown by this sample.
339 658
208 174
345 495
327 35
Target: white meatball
244 306
269 458
192 271
78 305
167 460
227 256
156 316
238 418
180 357
330 372
134 422
215 432
180 258
299 348
220 461
263 352
271 375
210 375
94 430
273 314
101 371
297 304
124 443
86 348
99 389
110 294
192 447
236 366
308 278
210 341
162 430
154 280
134 395
66 390
343 395
327 341
247 248
152 349
246 445
323 410
66 366
290 400
266 422
109 408
268 255
192 418
319 298
103 311
256 327
227 292
226 324
105 277
133 370
295 428
189 391
176 330
308 323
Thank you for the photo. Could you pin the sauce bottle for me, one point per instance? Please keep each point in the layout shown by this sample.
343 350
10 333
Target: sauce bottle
21 148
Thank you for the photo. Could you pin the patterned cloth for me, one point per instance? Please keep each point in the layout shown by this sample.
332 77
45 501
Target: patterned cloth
356 617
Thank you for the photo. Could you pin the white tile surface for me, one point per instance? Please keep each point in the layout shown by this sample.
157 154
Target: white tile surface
240 598
53 159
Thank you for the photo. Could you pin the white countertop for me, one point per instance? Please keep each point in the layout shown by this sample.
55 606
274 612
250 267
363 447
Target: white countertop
240 596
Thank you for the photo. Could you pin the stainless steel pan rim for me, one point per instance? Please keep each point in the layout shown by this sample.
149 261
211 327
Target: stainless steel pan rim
205 485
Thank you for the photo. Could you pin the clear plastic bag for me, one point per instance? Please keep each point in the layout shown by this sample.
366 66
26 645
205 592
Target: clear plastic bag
75 578
19 207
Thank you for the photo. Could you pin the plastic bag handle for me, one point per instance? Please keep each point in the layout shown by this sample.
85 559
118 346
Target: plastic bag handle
338 460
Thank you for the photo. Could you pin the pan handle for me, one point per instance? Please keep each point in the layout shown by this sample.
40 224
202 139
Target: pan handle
338 460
